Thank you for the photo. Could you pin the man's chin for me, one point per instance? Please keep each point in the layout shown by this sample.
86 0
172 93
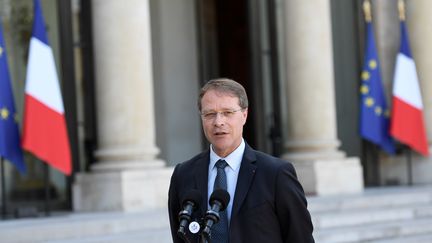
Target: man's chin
220 147
221 140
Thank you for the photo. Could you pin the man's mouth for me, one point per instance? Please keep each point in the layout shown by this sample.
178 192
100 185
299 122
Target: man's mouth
220 133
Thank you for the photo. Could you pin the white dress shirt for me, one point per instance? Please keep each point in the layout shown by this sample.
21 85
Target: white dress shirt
232 170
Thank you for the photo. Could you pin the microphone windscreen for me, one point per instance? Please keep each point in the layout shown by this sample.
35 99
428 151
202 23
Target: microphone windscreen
192 196
221 196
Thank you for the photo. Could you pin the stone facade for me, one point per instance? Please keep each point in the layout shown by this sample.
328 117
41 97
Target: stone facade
128 175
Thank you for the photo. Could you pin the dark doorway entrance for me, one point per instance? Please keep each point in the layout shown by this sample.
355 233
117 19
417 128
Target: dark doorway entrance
236 42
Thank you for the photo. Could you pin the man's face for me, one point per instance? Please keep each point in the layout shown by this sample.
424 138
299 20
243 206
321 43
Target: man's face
223 121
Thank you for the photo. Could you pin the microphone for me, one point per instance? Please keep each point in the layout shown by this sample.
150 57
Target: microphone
219 200
190 202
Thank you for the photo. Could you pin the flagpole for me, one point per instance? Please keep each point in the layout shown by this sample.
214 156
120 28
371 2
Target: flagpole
377 165
402 17
409 164
401 10
367 11
47 189
3 189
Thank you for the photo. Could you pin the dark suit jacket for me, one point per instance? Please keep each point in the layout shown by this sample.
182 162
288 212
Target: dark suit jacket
269 202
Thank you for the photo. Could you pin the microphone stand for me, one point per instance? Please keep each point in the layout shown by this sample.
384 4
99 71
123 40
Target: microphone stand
204 239
183 237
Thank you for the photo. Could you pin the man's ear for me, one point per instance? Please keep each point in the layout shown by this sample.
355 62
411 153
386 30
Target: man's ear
245 114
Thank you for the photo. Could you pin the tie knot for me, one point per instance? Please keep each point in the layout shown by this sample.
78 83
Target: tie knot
221 164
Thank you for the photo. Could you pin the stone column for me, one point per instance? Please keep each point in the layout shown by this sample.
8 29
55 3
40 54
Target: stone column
312 143
127 175
124 85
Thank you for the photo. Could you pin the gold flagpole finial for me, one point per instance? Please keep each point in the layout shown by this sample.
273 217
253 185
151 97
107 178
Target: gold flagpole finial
367 10
401 8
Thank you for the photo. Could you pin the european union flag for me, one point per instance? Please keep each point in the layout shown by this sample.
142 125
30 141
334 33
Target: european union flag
374 117
10 145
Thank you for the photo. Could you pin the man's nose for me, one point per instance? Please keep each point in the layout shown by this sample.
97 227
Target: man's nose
219 120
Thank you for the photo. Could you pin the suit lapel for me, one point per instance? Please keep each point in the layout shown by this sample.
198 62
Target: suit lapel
201 179
245 177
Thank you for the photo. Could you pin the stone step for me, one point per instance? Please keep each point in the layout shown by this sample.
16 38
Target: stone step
381 215
76 226
372 197
401 214
374 232
406 239
369 216
148 236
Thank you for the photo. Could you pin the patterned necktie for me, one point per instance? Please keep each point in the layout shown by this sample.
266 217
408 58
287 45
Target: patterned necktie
219 232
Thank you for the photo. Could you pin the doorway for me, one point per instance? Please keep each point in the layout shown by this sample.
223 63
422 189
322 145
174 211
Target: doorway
237 40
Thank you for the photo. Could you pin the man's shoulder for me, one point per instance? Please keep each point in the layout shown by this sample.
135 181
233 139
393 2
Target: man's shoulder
268 157
196 159
268 160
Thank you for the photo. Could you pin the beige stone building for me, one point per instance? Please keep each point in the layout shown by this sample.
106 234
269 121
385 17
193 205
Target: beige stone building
131 71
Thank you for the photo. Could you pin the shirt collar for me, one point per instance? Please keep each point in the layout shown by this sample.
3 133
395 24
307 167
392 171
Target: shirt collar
233 159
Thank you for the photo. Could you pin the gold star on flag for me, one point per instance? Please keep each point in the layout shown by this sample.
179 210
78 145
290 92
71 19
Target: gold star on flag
378 110
1 51
372 64
364 89
369 101
4 113
365 75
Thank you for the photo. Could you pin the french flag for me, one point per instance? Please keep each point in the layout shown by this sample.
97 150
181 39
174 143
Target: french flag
44 126
407 123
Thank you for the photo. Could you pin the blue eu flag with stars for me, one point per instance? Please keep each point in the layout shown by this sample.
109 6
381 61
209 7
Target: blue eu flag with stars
10 145
374 117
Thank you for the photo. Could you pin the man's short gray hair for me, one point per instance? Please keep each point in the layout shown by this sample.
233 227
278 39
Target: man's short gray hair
228 86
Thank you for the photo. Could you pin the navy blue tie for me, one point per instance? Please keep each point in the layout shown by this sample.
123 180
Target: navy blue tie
219 232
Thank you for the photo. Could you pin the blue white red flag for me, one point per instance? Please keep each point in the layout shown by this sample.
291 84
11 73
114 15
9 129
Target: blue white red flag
407 123
44 130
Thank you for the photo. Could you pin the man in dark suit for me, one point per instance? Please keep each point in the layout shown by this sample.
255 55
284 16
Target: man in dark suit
267 201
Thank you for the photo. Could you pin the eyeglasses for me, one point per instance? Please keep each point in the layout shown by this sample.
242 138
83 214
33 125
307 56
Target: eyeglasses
211 115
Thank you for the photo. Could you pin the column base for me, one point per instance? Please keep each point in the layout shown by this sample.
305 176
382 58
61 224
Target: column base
127 190
327 177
